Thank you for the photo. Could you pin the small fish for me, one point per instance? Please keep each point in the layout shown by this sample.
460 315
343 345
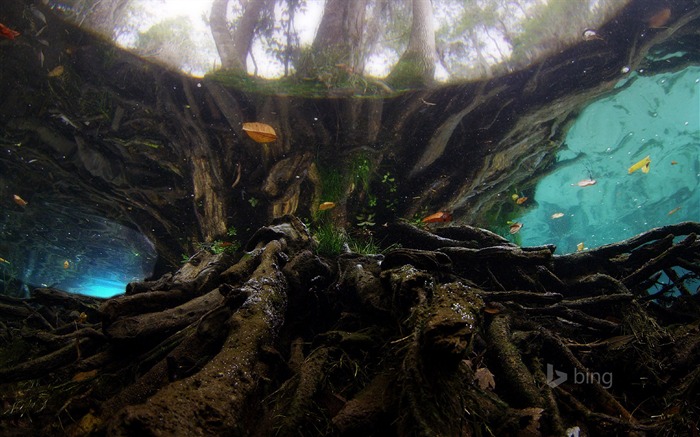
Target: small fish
19 201
326 205
515 228
438 217
642 163
674 210
521 200
579 247
8 33
3 260
674 162
56 71
586 182
557 215
66 264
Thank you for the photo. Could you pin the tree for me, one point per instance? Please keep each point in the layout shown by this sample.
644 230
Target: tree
234 46
339 39
170 41
416 67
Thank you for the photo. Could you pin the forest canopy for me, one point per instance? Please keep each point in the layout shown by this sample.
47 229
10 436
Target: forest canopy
458 39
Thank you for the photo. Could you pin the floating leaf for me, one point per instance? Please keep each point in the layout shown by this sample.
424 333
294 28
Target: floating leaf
660 18
586 182
557 215
515 227
260 132
643 164
19 201
326 205
440 216
521 200
579 247
8 33
56 71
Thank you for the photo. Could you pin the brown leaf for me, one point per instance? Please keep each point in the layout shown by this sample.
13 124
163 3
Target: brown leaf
484 378
533 425
82 376
260 132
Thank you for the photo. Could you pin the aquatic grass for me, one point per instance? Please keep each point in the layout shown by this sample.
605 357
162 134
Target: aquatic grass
331 240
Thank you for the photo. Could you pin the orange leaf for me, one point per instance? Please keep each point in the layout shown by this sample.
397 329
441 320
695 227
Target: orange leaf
440 216
260 132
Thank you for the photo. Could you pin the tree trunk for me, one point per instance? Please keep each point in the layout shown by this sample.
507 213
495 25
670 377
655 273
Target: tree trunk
416 67
338 39
234 47
105 16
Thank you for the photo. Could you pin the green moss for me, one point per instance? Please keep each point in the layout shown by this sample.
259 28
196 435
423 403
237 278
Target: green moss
324 84
334 184
410 72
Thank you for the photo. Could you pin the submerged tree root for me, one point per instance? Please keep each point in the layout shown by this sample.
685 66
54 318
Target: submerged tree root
458 334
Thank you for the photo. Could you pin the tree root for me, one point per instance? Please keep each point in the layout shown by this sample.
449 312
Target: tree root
474 337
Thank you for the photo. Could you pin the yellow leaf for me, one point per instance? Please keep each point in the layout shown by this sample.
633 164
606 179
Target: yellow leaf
644 162
326 205
56 71
260 132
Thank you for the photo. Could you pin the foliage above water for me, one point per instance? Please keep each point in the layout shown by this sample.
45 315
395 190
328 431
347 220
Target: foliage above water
474 38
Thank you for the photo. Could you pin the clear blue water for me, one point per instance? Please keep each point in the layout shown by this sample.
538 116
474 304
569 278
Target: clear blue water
53 245
656 116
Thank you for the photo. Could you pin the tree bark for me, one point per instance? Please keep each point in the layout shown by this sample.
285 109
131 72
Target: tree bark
233 47
339 38
416 67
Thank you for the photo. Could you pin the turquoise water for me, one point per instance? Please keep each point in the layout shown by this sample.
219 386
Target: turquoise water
47 244
656 116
